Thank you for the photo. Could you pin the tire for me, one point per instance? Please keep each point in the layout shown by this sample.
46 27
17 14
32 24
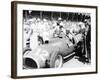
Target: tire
56 58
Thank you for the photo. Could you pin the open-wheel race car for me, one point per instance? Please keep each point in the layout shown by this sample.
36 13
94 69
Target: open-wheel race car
51 54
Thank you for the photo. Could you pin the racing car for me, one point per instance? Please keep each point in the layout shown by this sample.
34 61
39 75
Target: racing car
51 54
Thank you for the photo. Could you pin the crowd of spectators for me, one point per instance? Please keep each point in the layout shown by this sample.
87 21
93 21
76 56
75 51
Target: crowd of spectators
39 31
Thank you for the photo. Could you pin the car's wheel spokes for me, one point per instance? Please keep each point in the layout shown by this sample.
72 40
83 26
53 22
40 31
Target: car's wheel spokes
58 62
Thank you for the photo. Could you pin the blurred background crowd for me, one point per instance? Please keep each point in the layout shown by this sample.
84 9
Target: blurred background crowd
41 26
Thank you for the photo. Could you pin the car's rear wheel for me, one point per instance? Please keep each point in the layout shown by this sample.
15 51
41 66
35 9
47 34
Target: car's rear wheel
56 60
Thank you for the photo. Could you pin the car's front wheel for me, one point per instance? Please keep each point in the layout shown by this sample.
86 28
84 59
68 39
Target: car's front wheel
56 60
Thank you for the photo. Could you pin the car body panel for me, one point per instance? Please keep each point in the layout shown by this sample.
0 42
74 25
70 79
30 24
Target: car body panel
42 54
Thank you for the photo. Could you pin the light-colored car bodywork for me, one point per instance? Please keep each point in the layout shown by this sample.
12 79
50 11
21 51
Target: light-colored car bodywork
44 54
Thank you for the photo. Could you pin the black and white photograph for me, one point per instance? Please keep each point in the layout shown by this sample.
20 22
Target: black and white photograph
54 39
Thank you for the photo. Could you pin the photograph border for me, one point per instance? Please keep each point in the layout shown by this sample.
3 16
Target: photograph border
14 37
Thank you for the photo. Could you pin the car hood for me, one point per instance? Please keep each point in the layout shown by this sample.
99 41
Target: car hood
53 46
